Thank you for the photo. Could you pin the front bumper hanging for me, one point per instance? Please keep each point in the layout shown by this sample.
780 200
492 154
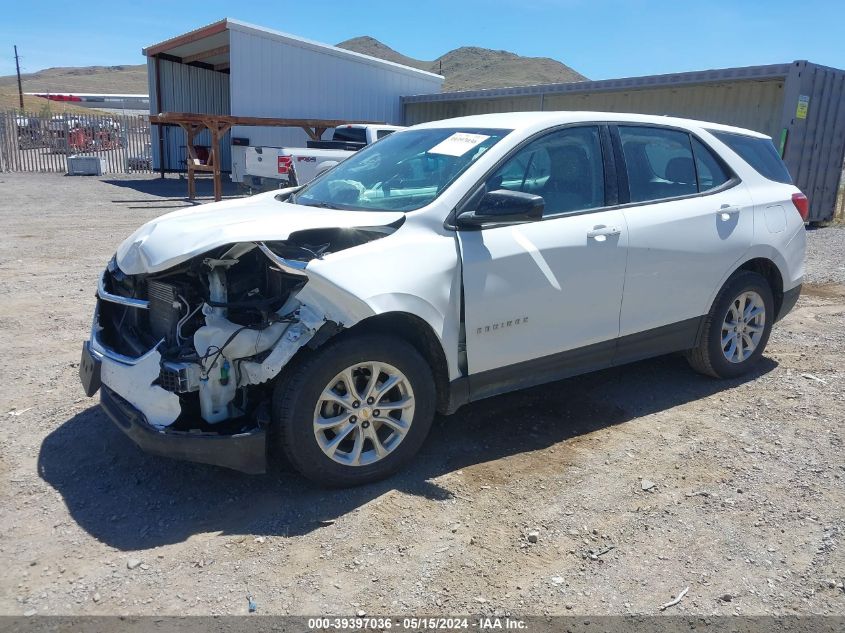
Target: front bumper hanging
245 452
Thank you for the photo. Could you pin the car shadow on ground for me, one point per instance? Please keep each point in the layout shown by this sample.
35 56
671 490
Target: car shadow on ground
131 500
171 189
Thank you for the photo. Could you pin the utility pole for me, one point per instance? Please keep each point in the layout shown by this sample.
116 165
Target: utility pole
18 68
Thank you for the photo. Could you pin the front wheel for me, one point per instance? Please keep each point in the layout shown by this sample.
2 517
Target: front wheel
356 411
737 328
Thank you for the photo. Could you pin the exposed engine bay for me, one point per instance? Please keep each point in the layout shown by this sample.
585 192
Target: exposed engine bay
219 326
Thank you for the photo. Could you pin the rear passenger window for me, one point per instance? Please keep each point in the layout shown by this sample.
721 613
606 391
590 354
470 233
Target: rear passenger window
564 167
759 153
659 162
710 172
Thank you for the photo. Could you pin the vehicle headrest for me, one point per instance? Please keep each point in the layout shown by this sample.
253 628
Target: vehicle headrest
680 169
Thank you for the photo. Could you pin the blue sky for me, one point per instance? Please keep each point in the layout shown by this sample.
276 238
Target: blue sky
600 38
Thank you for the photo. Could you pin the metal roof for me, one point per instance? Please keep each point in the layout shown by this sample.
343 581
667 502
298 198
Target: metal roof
209 45
750 73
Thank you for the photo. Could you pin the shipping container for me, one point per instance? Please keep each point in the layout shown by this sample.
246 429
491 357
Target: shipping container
801 105
239 69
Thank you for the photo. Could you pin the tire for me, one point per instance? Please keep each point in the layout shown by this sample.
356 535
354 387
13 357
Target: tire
343 450
714 359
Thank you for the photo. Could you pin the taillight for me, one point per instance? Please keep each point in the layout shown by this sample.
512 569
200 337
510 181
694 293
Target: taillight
802 204
284 164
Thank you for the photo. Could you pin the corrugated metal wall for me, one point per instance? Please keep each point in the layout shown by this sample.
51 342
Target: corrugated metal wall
434 111
273 78
752 104
815 146
186 89
755 105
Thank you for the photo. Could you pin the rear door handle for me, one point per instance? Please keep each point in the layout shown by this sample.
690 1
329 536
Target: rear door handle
726 212
601 232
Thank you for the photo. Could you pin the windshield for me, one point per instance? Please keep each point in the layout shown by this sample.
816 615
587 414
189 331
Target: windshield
402 172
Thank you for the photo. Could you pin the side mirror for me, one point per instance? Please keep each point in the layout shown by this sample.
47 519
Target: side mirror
504 207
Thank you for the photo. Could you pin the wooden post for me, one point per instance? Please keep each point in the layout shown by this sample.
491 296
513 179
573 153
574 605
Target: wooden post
218 130
213 162
161 128
189 159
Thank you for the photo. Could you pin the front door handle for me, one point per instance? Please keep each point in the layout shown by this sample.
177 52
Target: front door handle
601 232
727 211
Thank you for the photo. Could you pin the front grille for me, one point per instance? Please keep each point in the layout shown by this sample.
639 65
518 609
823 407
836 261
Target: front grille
124 328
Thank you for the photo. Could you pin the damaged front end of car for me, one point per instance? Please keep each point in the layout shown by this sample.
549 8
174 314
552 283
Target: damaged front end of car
186 358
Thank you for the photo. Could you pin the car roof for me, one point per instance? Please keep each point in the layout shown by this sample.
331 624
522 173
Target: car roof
536 121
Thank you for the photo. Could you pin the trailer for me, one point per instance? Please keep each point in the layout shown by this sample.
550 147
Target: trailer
801 105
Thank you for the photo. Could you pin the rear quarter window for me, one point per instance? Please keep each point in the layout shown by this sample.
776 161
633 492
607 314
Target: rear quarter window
760 153
711 173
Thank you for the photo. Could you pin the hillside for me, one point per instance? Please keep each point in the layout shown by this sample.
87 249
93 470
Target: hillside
474 68
9 101
99 79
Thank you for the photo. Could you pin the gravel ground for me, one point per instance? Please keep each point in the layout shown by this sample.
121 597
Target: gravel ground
603 494
826 263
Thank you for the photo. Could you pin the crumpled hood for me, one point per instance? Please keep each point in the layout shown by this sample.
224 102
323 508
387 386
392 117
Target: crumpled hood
171 239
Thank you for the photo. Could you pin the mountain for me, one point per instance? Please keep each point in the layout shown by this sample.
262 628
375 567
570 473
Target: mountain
474 68
367 45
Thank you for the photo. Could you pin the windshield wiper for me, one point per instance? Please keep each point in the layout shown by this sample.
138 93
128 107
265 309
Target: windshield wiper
319 205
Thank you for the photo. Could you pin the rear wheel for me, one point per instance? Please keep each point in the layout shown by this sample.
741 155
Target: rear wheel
737 328
356 411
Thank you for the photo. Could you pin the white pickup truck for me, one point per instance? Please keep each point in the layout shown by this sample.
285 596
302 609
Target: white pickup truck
278 167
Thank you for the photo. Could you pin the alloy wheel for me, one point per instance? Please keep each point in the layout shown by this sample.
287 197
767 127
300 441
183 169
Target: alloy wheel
743 326
364 413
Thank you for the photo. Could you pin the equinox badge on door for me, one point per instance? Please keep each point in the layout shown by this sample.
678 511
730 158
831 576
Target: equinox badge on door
501 325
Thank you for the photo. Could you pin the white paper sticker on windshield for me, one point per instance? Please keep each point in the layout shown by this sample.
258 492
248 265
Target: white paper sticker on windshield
458 144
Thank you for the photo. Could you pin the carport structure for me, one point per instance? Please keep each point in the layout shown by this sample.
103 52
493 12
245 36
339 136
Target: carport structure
238 70
218 126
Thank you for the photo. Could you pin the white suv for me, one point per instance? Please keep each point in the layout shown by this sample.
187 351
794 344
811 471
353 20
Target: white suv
446 263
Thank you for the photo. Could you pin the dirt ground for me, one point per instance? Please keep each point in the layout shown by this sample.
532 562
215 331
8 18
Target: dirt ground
746 507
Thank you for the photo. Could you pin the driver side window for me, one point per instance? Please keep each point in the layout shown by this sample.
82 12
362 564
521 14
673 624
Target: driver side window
564 167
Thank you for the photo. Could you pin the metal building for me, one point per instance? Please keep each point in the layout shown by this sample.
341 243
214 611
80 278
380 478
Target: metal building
235 68
800 105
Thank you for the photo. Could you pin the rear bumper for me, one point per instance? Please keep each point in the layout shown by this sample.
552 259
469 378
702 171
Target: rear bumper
790 298
245 452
